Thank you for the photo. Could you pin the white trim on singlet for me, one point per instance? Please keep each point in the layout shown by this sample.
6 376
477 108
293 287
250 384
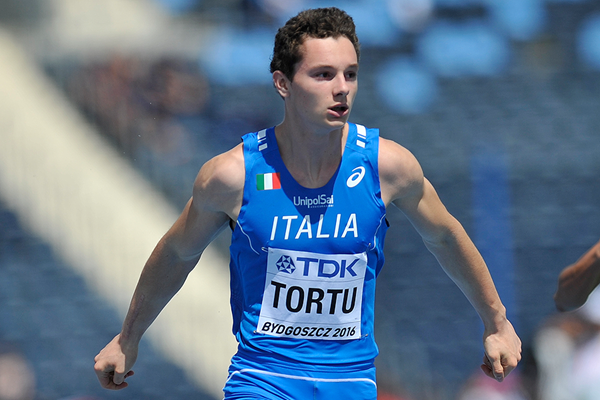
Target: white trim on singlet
248 237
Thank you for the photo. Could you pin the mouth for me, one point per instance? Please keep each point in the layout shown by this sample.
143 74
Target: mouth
340 109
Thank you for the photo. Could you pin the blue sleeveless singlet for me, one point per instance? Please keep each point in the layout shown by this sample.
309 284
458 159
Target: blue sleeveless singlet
304 261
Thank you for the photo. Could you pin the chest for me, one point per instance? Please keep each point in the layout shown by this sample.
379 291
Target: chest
342 216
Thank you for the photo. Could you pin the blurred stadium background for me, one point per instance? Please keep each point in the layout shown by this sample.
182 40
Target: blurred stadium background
108 108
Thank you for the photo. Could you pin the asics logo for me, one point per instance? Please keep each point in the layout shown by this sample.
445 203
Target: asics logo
356 177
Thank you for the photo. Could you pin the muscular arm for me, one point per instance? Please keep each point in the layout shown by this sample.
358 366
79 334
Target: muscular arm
215 201
578 280
404 185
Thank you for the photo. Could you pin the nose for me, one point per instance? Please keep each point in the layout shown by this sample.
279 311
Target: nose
341 88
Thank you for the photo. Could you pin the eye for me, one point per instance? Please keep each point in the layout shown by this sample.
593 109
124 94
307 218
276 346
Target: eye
324 75
351 75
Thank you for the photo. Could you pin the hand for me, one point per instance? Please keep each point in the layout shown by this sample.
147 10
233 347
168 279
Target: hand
502 352
113 366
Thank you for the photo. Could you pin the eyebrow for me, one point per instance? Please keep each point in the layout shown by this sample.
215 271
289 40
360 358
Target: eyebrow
351 66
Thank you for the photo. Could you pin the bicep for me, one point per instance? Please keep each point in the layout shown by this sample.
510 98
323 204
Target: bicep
426 212
195 228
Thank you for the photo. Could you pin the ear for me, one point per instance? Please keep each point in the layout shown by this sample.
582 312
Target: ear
282 83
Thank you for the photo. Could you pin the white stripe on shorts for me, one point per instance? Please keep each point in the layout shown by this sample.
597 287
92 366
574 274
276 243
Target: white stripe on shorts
302 378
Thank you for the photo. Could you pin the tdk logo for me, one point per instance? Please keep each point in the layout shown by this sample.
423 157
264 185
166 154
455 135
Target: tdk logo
286 264
325 268
318 267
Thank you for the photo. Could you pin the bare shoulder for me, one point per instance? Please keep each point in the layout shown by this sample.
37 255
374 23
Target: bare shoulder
400 173
219 185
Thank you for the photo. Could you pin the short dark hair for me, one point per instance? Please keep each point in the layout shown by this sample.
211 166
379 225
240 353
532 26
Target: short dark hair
319 23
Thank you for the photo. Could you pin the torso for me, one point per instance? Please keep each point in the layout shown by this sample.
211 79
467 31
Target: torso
304 260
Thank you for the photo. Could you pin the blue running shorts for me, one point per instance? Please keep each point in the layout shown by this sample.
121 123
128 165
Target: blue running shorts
293 384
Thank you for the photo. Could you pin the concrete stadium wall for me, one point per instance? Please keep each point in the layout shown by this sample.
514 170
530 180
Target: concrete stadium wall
72 189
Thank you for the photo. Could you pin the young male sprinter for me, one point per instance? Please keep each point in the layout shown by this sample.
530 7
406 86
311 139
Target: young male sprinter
307 201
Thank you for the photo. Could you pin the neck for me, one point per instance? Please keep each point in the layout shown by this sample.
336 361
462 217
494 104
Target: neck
311 158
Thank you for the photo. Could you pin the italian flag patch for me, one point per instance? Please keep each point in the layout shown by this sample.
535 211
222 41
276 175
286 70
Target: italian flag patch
268 181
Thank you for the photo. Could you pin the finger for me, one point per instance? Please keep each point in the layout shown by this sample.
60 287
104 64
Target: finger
510 363
119 377
486 367
493 368
486 370
107 381
120 383
104 374
497 369
120 386
112 385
